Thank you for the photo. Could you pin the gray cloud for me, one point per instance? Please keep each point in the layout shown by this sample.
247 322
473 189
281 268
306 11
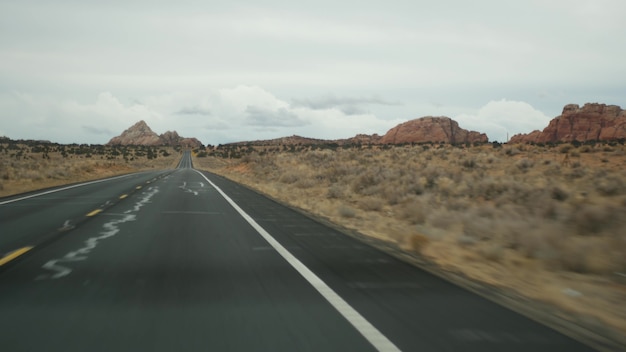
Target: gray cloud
193 110
97 130
282 117
347 105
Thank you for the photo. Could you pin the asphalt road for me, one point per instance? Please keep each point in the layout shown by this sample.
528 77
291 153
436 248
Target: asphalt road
186 260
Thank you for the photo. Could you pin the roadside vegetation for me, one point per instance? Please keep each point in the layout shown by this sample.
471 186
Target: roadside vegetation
31 165
545 222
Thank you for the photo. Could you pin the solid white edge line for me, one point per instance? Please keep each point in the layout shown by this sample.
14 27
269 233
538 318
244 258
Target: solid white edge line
371 334
62 189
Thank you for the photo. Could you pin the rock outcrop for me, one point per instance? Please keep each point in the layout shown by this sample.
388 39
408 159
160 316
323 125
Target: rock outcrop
592 122
141 134
362 139
431 129
173 139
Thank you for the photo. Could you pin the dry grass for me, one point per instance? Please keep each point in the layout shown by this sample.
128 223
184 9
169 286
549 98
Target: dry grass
535 219
27 166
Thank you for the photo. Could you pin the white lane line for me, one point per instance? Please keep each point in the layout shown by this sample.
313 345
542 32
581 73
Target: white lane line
61 189
371 334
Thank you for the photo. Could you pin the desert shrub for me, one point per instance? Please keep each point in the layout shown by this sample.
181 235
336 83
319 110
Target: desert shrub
558 193
440 218
464 240
611 186
542 241
335 191
469 163
524 164
552 170
585 257
577 172
478 228
289 178
565 148
488 188
414 212
590 219
371 204
511 151
493 252
366 183
305 182
418 242
346 211
400 190
446 186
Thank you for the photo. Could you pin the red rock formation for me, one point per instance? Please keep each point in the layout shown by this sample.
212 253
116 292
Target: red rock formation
141 134
431 129
592 122
137 134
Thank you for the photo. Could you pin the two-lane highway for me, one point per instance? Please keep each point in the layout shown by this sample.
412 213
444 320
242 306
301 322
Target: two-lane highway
191 261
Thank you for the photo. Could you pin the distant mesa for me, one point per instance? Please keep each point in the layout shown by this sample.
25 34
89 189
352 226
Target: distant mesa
422 130
432 129
299 140
592 122
141 134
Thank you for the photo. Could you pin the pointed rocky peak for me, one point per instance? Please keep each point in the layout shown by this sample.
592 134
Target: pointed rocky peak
141 126
141 134
138 134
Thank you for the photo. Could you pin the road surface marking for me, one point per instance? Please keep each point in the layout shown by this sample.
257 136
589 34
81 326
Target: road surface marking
371 334
123 196
66 226
138 187
95 212
16 253
110 229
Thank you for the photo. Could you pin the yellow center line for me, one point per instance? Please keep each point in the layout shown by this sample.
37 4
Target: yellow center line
16 253
94 212
123 196
138 187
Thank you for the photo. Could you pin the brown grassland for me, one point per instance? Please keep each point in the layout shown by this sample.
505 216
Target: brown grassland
541 224
28 165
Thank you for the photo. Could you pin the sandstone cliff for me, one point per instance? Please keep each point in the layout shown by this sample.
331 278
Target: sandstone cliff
431 129
592 122
141 134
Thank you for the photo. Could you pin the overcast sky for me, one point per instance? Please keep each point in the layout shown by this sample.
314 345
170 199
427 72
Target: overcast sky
83 71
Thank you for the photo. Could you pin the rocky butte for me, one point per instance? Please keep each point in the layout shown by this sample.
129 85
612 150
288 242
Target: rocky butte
141 134
422 130
592 122
431 129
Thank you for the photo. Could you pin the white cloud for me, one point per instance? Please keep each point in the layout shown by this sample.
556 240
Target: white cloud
501 117
217 116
